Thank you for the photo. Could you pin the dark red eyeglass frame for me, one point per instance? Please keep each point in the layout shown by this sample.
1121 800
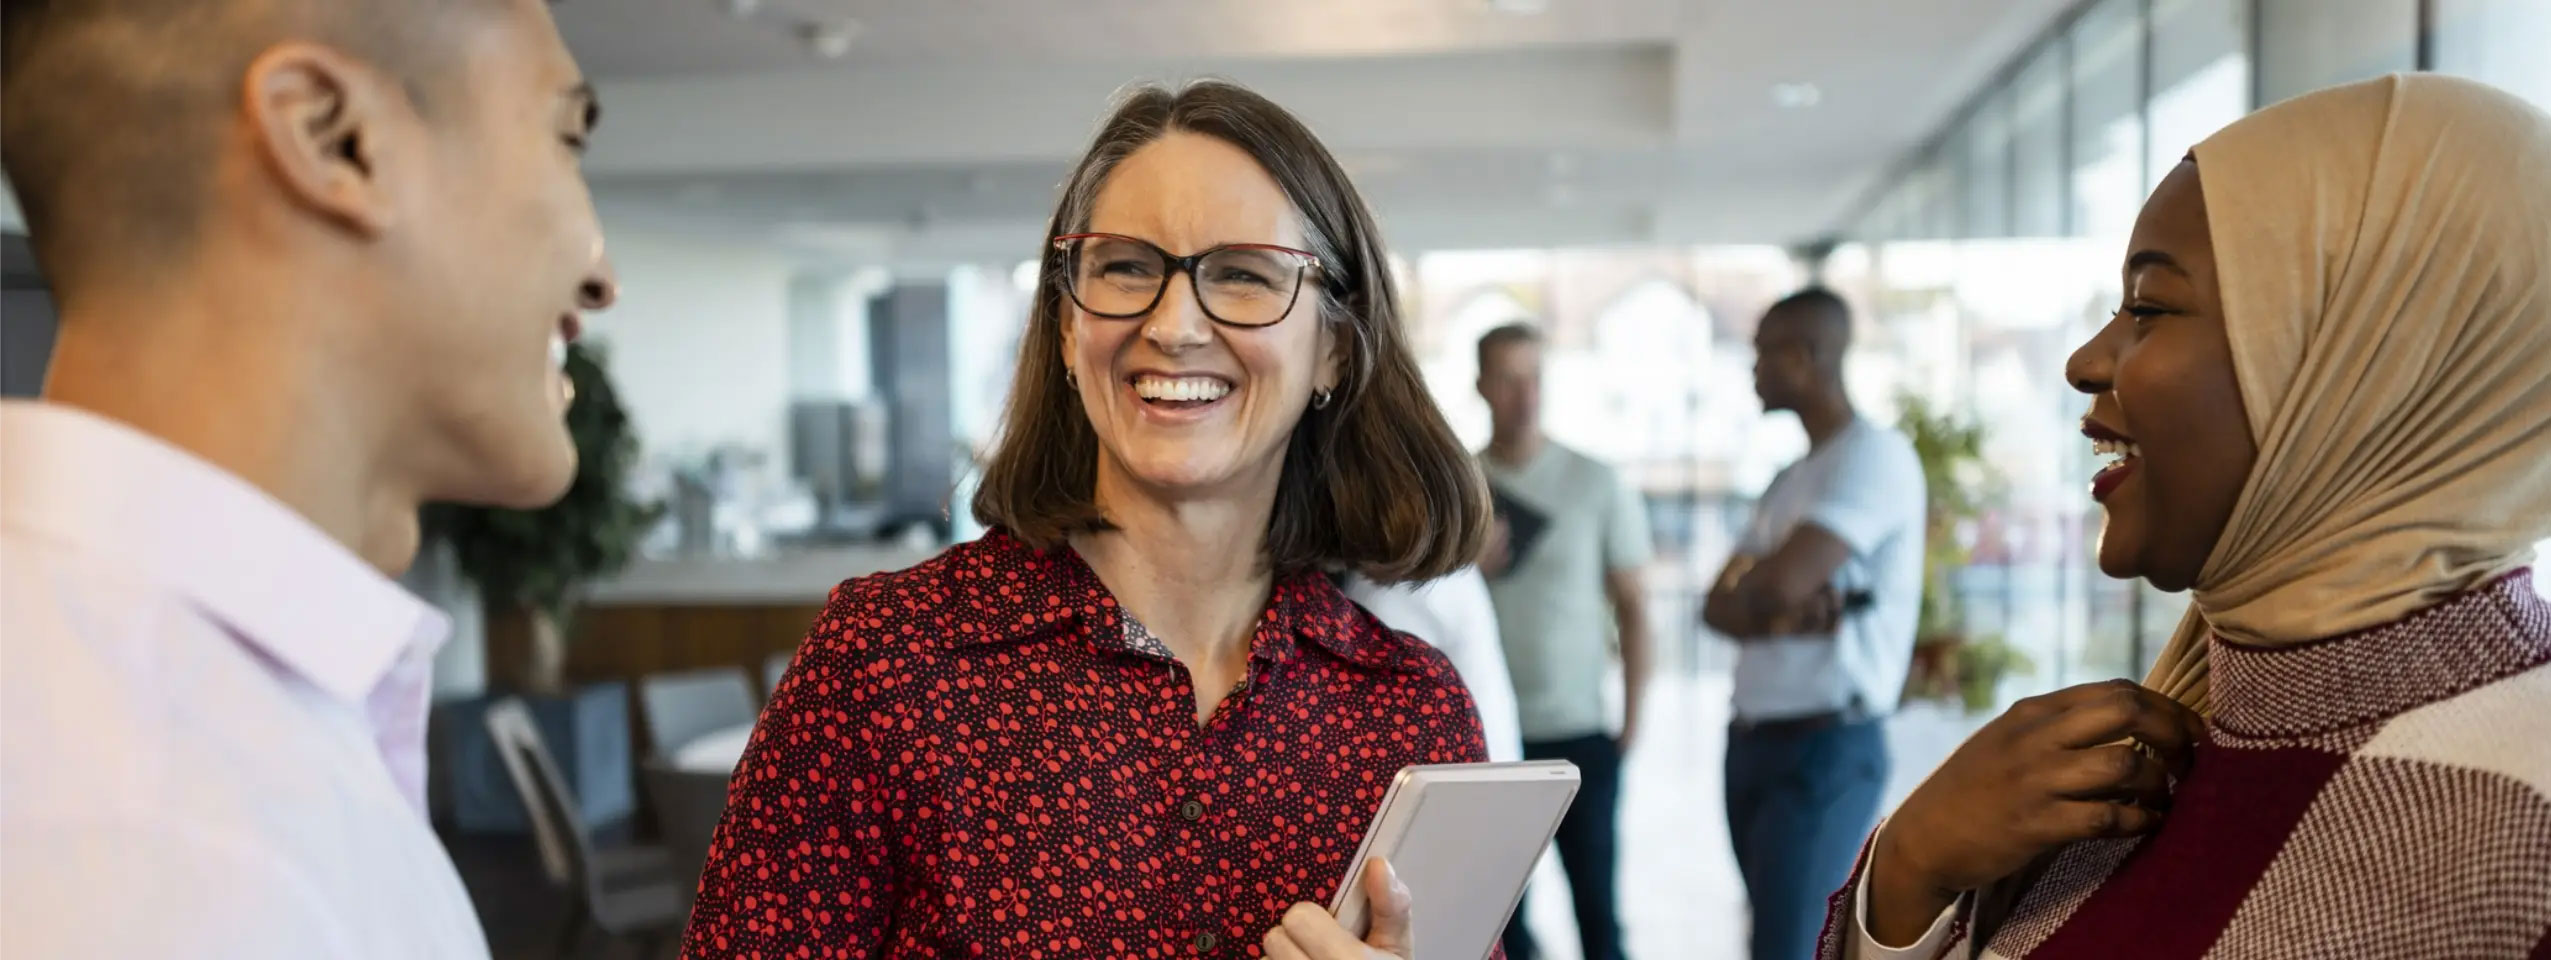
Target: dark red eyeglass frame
1306 262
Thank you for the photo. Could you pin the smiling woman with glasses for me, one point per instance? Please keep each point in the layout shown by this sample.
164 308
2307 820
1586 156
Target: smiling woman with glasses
1138 718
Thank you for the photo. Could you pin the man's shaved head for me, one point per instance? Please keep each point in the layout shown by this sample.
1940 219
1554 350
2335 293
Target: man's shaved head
116 108
1799 347
379 204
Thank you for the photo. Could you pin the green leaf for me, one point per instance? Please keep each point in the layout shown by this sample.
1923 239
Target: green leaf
1958 483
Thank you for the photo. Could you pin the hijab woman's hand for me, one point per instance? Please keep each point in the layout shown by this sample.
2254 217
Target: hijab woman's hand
2096 760
1310 933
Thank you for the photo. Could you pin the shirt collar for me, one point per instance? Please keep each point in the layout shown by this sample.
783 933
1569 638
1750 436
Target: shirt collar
1060 591
280 584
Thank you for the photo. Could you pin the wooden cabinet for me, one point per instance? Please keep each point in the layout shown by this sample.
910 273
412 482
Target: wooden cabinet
628 641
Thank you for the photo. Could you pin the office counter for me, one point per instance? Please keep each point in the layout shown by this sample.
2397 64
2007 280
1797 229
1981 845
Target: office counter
684 613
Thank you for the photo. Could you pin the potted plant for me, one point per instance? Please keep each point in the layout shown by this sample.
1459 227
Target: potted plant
528 564
1981 664
1956 483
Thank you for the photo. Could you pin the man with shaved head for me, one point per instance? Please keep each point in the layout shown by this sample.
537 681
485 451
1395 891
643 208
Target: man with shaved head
1821 597
317 261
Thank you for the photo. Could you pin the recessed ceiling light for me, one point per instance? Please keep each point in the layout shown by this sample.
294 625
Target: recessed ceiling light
1798 95
830 41
1520 7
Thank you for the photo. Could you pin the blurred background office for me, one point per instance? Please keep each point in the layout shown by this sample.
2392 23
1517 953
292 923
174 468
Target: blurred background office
826 214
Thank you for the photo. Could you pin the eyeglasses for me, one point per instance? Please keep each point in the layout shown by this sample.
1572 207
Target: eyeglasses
1238 284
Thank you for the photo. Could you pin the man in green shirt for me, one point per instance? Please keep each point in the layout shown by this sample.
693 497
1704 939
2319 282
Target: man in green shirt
1564 575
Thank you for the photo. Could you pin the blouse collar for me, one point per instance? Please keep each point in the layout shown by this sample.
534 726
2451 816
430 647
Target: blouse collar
1057 590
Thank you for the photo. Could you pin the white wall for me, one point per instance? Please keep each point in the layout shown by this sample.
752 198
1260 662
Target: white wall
699 339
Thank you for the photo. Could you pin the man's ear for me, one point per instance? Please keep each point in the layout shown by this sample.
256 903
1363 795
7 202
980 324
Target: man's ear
320 121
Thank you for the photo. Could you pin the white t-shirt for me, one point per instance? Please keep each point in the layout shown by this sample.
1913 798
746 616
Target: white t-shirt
1454 615
1865 487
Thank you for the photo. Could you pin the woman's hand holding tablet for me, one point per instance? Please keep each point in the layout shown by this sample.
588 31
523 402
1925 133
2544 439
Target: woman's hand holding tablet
1449 852
1311 933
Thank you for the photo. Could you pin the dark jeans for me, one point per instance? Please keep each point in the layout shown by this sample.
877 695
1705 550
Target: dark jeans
1798 806
1589 846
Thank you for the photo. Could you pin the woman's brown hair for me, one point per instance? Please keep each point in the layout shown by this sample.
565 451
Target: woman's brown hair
1374 482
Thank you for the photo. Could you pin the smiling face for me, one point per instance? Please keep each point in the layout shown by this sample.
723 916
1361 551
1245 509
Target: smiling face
2166 410
499 252
1182 406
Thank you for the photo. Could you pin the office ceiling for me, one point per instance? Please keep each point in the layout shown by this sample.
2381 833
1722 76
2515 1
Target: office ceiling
940 131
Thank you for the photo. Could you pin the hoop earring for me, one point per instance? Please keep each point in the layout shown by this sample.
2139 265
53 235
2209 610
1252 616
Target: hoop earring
1320 398
1070 377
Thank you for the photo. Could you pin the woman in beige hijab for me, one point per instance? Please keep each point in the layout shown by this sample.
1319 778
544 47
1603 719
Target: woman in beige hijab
2327 400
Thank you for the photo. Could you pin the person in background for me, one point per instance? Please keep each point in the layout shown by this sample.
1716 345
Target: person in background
316 263
1454 615
1821 596
1563 570
1137 718
2325 403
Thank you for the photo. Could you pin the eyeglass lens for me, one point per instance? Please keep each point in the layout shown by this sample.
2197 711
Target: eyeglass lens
1241 286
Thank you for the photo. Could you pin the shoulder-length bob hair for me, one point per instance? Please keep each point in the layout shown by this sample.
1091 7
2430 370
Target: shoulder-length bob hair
1374 482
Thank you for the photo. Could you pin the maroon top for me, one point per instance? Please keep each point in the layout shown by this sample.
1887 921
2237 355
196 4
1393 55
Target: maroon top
2378 794
983 756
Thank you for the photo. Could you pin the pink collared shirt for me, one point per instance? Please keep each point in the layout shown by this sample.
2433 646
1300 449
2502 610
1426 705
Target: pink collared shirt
212 717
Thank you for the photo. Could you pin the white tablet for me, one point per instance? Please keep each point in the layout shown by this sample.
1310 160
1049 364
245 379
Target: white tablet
1464 838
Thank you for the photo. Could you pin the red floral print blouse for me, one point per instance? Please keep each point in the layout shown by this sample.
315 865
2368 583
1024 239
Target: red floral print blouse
983 756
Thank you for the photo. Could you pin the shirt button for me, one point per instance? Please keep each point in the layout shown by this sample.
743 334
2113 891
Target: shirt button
1205 942
1191 811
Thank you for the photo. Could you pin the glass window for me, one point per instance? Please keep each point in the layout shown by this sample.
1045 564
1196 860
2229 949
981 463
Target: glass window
2305 45
2108 120
2500 42
2037 146
2200 76
1984 156
1930 211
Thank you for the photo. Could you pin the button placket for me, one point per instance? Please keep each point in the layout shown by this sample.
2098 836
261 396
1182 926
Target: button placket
1185 859
1207 844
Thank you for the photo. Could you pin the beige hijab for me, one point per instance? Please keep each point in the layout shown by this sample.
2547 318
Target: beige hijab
2385 254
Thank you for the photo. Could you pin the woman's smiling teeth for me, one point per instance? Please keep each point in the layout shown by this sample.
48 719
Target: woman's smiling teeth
1180 389
2117 451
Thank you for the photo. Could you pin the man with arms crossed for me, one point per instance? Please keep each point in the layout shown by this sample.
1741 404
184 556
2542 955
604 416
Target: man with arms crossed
1564 574
1821 597
316 262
